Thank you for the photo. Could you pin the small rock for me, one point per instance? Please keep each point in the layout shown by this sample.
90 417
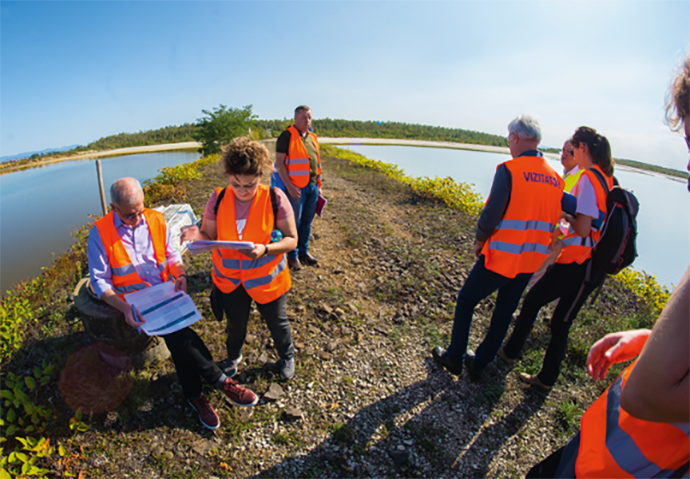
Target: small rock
263 359
323 355
274 392
202 447
293 414
399 457
331 346
356 261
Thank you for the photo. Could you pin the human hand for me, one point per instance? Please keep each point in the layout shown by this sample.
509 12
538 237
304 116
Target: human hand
257 251
181 284
478 245
294 191
189 233
615 348
131 319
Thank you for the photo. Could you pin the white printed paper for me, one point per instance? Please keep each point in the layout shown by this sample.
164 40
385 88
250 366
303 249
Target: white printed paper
164 309
196 247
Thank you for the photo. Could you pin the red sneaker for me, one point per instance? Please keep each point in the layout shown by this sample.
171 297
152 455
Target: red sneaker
207 415
237 394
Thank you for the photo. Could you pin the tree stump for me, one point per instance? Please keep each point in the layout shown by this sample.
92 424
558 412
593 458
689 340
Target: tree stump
106 324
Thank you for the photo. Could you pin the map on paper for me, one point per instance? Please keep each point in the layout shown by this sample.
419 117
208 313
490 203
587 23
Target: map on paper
196 247
164 309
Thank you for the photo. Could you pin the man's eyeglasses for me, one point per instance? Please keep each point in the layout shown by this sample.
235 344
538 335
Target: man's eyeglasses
130 216
687 142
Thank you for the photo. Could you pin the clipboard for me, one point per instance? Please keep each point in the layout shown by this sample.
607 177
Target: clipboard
320 204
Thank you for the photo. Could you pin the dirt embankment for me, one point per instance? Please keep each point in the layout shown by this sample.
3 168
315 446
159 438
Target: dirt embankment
367 399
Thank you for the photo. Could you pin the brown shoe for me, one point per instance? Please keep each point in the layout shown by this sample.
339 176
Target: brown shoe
504 357
535 383
238 395
294 264
207 415
308 259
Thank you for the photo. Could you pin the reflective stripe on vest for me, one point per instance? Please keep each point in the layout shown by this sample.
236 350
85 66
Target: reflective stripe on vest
266 278
575 250
615 444
520 242
297 160
124 276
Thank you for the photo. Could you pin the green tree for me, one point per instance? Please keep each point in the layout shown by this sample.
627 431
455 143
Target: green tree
221 125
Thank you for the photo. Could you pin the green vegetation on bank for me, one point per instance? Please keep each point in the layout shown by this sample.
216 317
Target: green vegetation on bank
658 169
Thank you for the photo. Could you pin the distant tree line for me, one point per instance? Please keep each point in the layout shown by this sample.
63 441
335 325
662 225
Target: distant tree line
385 129
168 134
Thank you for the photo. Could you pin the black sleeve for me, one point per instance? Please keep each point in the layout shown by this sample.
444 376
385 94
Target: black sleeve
497 204
283 142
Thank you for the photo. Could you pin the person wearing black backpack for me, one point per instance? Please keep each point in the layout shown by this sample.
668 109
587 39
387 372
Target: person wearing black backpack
571 278
249 211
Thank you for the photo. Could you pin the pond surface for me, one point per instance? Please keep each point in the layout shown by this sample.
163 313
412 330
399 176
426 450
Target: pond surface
41 207
663 239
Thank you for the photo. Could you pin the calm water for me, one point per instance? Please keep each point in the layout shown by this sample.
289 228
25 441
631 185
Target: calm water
663 222
40 207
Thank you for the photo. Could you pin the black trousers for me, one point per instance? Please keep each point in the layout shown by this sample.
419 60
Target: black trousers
237 305
192 361
564 281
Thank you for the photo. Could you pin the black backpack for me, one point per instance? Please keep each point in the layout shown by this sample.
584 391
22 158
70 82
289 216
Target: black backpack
616 247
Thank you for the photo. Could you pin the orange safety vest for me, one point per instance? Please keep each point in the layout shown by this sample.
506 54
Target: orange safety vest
297 161
124 276
265 278
577 249
615 444
520 242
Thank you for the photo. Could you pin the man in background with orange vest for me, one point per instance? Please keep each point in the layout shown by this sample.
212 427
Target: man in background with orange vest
298 173
640 426
129 249
512 240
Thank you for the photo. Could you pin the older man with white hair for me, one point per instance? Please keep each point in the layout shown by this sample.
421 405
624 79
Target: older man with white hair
512 240
129 249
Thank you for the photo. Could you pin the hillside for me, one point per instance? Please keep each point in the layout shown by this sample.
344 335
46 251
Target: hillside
367 399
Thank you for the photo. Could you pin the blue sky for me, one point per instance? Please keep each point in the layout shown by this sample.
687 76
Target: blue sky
72 72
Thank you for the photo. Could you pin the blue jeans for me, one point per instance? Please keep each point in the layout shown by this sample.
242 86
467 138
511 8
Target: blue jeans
479 284
305 210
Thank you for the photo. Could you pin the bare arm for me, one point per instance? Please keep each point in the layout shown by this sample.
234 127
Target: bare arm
658 388
292 190
582 224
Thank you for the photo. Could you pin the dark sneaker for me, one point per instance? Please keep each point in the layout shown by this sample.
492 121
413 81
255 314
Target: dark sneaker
535 383
505 358
440 355
474 374
231 366
207 415
286 368
294 264
237 394
308 259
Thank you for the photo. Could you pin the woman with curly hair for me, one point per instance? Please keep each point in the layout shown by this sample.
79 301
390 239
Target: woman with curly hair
249 211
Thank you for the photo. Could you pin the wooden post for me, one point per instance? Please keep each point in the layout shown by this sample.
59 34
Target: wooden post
100 186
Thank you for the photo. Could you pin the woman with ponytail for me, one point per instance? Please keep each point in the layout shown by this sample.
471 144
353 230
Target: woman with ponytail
571 279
